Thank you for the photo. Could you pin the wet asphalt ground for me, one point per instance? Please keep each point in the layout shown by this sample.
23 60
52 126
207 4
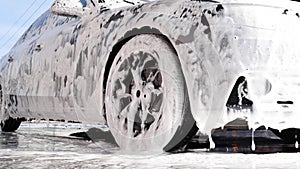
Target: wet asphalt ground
49 145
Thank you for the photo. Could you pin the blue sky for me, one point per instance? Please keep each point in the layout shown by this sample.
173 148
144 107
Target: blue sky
15 17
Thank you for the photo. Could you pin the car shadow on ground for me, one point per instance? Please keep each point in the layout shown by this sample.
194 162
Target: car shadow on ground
95 135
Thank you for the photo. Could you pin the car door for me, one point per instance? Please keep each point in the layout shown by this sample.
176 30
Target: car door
41 70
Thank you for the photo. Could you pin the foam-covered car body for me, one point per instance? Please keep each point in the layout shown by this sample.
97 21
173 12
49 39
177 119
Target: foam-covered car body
238 58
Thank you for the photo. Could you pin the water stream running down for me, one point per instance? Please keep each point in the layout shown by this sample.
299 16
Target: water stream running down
296 143
252 142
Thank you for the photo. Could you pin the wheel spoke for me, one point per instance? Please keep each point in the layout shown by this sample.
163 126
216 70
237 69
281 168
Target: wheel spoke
127 116
129 108
153 75
150 119
124 112
130 122
136 78
143 115
156 102
143 60
158 91
124 95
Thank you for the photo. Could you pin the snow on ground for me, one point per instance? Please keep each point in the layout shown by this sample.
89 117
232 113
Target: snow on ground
39 146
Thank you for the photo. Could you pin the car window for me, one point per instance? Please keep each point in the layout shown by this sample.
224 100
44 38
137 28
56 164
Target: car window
46 21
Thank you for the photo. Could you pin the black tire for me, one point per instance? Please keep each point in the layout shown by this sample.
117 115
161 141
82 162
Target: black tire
147 107
8 124
11 124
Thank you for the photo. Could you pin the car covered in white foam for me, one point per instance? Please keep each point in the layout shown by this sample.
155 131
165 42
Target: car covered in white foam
156 71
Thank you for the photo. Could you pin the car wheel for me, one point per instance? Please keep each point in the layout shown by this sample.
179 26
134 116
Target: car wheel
10 124
147 106
7 124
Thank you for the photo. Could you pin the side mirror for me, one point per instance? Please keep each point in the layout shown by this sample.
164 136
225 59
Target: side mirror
69 7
